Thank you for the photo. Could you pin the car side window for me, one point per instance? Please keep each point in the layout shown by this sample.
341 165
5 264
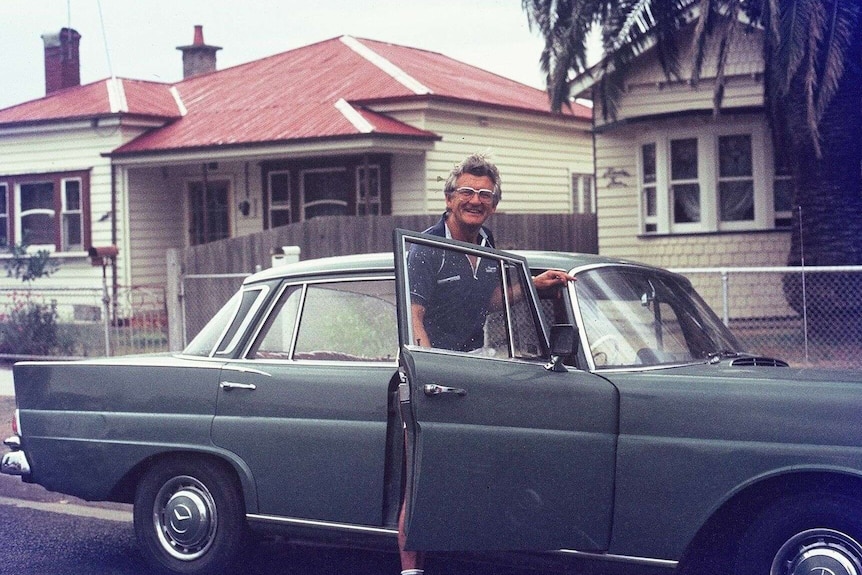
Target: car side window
470 302
277 337
333 321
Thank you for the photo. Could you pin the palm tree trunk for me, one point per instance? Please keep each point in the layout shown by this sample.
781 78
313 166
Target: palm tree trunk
828 208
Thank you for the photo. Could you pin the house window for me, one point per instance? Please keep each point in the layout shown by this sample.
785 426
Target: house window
208 211
297 190
324 192
684 184
4 215
368 190
36 213
713 180
279 198
48 211
583 193
649 207
735 178
73 216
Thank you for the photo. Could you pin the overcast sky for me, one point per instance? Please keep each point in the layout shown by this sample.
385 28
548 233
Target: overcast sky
141 36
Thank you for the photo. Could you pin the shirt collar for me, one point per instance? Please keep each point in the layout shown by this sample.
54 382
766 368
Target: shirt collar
483 237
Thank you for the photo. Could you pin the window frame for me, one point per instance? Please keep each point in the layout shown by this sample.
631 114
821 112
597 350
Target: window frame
11 185
192 232
302 287
583 192
305 204
280 206
66 212
363 200
5 228
708 180
351 165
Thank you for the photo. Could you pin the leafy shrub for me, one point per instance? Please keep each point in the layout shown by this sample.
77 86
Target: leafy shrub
31 328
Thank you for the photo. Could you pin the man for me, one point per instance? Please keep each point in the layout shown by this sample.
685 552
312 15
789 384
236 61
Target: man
450 297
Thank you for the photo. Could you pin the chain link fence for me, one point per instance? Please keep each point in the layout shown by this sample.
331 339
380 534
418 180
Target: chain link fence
81 322
202 295
807 317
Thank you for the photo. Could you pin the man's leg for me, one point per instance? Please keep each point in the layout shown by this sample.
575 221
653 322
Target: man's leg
412 562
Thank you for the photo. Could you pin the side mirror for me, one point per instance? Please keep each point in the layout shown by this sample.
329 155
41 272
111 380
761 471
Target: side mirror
564 342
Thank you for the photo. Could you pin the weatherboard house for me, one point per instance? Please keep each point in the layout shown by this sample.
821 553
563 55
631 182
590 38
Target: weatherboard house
681 186
346 126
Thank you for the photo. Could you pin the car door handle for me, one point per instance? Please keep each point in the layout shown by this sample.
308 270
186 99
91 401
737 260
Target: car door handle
434 389
229 385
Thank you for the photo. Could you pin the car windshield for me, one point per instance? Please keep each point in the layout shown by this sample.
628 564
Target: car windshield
637 317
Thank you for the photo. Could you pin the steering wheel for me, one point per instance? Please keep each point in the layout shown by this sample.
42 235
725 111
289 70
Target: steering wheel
610 355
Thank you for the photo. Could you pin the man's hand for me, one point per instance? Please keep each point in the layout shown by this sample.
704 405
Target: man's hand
552 279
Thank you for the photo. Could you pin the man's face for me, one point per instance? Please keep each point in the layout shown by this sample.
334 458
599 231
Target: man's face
472 213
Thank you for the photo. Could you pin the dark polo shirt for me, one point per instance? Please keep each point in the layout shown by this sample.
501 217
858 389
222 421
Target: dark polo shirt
454 294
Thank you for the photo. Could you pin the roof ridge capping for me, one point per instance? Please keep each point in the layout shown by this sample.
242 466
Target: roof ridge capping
386 66
354 117
116 95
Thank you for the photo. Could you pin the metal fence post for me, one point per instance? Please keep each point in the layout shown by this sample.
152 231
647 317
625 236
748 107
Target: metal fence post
725 317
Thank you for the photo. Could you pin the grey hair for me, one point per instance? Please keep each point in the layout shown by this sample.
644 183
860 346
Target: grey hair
476 165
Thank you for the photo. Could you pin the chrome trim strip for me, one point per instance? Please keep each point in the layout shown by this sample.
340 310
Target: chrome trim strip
243 369
323 524
620 558
394 533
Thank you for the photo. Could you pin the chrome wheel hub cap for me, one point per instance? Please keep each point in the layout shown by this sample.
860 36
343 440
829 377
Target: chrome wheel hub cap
185 518
819 552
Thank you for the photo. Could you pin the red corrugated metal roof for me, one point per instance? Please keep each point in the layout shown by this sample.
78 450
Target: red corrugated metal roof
294 95
93 100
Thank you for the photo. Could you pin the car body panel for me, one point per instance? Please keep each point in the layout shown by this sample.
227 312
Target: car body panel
681 427
316 432
89 423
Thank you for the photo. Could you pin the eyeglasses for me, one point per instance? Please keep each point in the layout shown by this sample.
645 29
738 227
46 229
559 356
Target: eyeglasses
485 196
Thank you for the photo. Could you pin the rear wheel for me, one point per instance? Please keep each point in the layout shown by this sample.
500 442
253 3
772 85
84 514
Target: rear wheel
189 516
804 534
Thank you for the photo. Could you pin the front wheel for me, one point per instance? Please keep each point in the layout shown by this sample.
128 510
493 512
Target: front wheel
802 535
189 516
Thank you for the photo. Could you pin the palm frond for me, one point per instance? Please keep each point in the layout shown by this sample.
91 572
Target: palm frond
837 43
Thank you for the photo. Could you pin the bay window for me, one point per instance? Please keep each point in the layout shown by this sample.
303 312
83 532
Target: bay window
717 179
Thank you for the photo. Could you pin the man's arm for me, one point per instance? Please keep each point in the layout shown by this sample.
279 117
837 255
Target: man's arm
420 336
550 279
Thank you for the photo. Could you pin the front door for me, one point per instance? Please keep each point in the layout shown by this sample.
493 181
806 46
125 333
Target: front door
503 454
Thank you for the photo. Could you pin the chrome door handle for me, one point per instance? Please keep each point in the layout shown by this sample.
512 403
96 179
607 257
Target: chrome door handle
434 389
229 385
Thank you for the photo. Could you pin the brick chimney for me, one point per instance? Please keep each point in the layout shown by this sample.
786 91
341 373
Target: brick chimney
198 58
62 65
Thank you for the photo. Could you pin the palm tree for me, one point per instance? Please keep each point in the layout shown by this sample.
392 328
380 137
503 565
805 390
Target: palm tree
812 52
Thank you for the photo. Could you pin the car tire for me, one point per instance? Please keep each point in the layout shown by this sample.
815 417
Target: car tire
806 533
189 516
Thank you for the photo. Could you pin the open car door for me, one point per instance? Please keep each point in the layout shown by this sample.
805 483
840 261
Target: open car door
502 452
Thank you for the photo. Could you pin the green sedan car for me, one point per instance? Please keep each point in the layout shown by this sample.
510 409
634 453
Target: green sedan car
610 425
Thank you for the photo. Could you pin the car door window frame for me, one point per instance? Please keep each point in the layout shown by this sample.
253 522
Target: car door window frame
405 329
303 286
